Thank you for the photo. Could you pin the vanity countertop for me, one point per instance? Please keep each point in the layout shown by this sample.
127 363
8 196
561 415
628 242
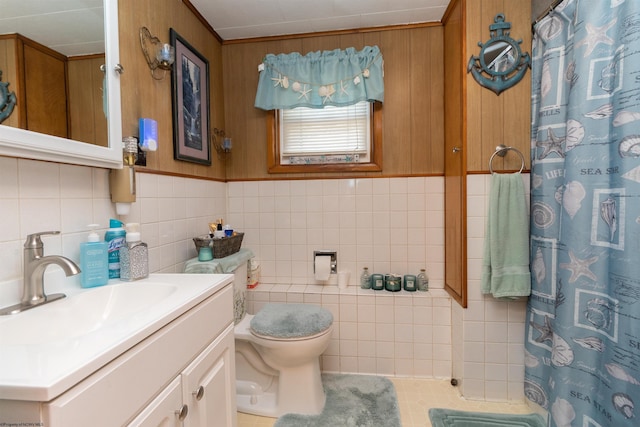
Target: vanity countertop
46 350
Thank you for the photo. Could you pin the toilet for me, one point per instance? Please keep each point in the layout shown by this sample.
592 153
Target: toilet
278 359
277 350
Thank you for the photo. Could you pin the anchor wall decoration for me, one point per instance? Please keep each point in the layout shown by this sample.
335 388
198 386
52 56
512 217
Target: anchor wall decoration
7 100
501 64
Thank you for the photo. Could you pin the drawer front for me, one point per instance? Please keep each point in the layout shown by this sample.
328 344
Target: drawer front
114 394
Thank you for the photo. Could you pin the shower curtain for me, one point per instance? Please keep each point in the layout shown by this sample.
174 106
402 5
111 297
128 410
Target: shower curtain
582 339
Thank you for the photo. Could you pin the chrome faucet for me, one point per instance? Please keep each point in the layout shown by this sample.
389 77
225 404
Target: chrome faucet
35 263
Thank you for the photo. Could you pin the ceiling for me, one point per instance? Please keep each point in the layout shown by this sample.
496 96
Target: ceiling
239 19
76 27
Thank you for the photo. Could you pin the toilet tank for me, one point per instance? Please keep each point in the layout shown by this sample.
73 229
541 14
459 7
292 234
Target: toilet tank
240 292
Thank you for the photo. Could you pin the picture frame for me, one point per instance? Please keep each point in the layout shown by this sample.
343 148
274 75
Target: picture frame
190 103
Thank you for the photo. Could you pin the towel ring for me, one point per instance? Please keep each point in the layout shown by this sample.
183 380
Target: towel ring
501 150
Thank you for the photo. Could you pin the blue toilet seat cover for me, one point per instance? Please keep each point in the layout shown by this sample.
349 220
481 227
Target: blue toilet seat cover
291 320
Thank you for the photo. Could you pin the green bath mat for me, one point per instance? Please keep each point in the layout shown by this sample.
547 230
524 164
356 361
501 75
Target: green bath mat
452 418
352 401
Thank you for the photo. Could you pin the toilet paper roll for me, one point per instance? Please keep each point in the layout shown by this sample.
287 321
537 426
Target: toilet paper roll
322 267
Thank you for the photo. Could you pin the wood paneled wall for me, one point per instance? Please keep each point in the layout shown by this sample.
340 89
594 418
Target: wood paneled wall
142 96
497 119
87 121
413 109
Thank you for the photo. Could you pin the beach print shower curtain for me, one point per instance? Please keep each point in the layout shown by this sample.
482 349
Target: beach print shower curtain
582 350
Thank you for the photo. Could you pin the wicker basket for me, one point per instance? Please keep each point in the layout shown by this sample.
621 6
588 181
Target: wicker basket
222 247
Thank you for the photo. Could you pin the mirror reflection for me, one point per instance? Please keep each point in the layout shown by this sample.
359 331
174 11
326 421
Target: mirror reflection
499 56
50 55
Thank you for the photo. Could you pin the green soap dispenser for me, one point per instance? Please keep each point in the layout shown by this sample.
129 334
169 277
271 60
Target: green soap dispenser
94 260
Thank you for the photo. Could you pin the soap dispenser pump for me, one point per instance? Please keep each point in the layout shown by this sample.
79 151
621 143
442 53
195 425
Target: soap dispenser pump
94 260
134 255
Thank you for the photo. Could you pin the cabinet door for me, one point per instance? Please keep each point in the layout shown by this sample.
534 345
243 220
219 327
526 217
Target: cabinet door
209 386
164 410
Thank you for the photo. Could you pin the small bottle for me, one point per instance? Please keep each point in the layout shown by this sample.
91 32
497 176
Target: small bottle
365 279
94 260
114 237
423 280
134 255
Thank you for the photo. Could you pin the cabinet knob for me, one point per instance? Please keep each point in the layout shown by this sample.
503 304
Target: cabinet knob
182 412
199 393
456 149
119 68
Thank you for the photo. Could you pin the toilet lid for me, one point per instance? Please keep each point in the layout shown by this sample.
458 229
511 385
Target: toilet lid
291 320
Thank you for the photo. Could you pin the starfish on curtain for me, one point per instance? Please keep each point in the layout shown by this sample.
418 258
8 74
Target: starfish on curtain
553 144
546 332
596 35
579 267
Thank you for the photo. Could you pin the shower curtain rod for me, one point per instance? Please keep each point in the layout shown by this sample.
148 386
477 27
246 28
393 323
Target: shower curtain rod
546 12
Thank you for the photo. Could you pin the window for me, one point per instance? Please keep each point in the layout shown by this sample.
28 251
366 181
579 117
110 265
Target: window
331 139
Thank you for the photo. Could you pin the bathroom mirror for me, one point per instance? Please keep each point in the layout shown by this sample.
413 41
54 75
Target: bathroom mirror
15 142
500 64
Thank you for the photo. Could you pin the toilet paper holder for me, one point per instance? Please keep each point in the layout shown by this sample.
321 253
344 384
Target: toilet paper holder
333 262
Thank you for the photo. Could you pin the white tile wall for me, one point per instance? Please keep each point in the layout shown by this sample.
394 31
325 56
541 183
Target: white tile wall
389 224
488 351
405 334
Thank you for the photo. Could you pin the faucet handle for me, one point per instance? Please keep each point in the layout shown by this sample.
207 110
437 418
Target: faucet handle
35 242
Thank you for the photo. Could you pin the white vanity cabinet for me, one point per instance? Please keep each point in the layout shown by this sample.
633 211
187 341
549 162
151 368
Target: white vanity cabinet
203 395
189 363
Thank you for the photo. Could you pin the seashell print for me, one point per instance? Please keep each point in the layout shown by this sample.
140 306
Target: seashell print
572 197
296 86
543 215
535 393
537 180
558 194
629 146
608 215
562 412
561 352
530 361
570 74
618 372
599 313
623 404
624 117
574 135
538 267
549 28
590 343
609 76
601 112
285 82
546 82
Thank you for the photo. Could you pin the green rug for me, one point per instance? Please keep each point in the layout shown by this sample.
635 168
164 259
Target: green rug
452 418
352 401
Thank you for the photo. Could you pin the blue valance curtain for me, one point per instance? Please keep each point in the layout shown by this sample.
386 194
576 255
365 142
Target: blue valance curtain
336 77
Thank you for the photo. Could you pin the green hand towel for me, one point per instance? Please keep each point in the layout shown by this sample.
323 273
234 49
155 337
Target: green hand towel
505 267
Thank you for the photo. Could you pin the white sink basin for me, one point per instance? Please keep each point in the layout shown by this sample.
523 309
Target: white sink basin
82 313
47 349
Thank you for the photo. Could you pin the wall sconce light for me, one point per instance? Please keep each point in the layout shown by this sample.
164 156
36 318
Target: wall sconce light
224 146
158 55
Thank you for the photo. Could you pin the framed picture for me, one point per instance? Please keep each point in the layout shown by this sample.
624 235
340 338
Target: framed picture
190 87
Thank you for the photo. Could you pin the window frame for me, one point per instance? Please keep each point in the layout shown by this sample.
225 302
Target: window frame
375 157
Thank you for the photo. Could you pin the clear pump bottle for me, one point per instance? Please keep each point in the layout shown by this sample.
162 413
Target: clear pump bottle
365 279
423 280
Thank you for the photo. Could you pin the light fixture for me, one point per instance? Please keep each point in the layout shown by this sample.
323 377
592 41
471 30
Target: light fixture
158 55
225 144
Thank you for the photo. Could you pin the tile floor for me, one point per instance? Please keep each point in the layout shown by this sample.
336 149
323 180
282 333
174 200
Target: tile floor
415 397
